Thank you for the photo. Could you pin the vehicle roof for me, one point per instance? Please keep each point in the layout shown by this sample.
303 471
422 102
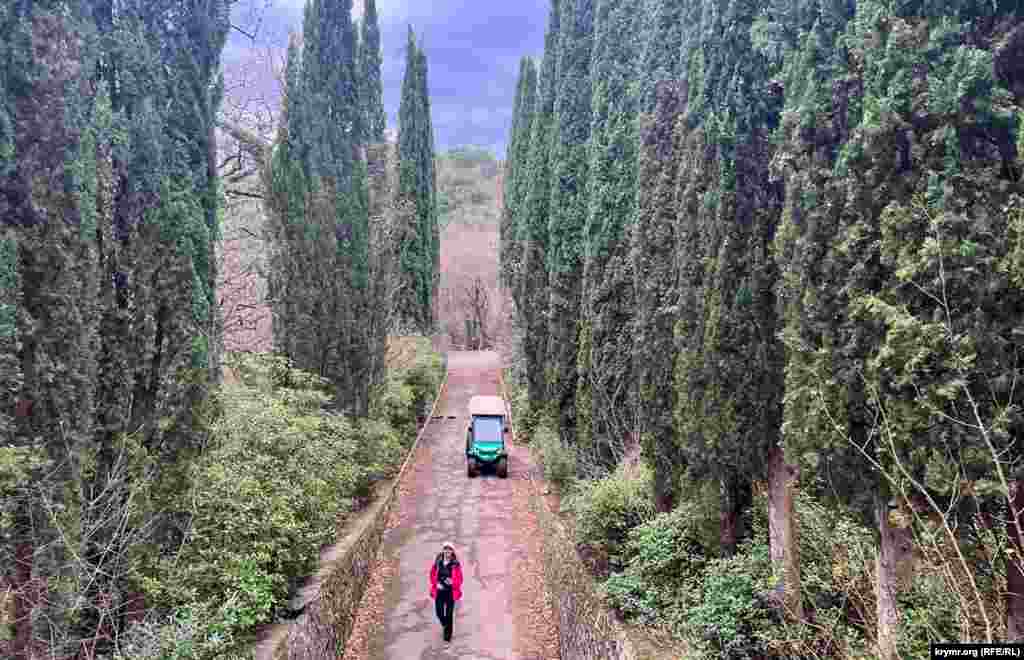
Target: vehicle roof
487 405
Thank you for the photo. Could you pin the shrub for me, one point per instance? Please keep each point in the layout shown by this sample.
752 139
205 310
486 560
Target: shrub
606 510
414 372
556 458
664 557
731 621
267 493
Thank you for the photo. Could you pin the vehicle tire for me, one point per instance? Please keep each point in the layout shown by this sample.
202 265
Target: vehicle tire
503 468
471 468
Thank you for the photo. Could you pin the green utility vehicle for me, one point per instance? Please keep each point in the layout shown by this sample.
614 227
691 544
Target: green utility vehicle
485 436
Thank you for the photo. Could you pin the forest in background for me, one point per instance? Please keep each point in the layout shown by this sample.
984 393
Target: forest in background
778 249
149 505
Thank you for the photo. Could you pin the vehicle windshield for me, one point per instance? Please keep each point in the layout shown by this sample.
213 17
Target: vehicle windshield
487 429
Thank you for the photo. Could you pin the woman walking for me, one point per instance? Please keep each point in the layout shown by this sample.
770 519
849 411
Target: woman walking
446 587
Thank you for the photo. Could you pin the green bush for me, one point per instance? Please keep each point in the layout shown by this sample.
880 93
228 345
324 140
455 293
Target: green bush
664 557
557 460
731 621
267 493
415 371
605 511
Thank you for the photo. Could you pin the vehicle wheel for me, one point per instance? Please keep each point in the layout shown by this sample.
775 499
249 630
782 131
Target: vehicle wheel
503 468
471 469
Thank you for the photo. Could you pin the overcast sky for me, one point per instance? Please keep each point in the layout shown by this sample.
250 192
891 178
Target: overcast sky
473 49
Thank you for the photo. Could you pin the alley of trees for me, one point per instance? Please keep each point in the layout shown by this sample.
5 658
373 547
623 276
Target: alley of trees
782 243
136 485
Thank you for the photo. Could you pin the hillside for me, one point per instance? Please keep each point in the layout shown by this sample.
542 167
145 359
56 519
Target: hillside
469 182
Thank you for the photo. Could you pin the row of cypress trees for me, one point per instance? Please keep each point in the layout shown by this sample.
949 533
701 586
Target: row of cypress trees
334 292
775 239
108 334
109 322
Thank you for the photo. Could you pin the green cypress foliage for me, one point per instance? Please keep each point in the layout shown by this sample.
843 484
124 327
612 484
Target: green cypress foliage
419 246
516 176
660 59
905 317
106 292
654 245
293 272
535 227
319 210
606 382
730 362
370 59
567 219
428 207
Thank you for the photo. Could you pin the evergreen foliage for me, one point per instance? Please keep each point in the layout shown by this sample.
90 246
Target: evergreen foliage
825 218
654 245
534 227
568 208
516 178
419 247
318 220
606 383
370 60
110 205
660 50
730 363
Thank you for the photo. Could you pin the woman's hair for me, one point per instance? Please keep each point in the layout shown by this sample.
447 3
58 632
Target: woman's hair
447 546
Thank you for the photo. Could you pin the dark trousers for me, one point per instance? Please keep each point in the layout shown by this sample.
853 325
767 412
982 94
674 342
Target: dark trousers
444 605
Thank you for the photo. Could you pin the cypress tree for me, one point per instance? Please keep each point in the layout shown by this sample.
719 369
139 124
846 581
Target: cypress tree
428 206
321 318
113 277
516 176
606 382
370 60
419 247
730 363
660 58
874 328
569 172
653 259
292 282
534 284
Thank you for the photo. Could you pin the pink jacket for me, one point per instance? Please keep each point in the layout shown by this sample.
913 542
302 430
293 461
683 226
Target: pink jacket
456 579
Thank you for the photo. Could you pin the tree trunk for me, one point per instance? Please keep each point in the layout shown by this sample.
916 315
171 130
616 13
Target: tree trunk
1014 572
664 489
735 498
23 601
782 530
887 580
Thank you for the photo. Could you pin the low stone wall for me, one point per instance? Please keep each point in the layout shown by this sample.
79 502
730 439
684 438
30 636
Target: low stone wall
586 629
323 629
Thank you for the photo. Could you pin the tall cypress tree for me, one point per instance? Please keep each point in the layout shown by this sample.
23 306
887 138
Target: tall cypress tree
535 226
419 245
427 207
660 57
606 384
730 367
323 329
370 59
877 323
516 176
653 249
569 172
117 335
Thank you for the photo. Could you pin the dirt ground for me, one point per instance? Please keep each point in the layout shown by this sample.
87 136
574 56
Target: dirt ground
502 614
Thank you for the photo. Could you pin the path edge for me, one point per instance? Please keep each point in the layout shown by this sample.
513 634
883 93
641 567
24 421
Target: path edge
587 630
322 631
